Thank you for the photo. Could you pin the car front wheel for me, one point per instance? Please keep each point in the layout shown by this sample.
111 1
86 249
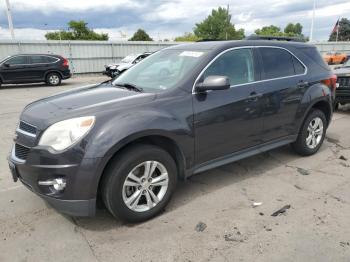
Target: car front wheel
139 183
53 79
312 134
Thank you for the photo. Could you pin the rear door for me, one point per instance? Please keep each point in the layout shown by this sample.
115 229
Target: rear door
227 121
14 69
282 88
38 65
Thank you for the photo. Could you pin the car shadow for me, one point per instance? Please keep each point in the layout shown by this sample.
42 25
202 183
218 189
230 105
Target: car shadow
199 185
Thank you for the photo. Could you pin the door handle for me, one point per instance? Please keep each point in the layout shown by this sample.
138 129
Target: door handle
253 97
303 84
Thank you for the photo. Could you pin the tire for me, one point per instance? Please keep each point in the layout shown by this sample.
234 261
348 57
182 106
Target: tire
53 79
336 107
305 147
116 195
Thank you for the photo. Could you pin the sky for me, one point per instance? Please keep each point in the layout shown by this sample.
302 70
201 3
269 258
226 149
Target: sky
165 19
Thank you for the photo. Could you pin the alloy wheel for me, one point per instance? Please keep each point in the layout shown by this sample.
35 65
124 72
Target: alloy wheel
54 79
145 186
314 133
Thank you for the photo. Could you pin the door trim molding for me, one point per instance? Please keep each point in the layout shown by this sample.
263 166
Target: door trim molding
243 154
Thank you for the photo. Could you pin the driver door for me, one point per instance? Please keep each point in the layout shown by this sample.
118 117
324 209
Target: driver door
15 69
227 121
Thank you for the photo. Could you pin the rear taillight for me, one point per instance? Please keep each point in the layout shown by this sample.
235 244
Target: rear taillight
65 62
331 82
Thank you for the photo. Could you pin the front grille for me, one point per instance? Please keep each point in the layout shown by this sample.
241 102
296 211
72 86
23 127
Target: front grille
344 82
21 152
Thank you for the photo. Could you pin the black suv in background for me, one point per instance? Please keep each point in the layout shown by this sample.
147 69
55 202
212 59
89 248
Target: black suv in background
183 110
33 68
343 84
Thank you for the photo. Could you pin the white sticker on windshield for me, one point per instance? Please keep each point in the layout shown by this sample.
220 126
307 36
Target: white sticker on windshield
191 53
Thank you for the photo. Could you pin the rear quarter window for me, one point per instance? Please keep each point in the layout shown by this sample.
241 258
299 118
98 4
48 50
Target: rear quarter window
298 67
50 59
312 53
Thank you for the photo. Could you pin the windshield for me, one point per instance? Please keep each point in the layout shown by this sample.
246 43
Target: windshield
161 71
128 59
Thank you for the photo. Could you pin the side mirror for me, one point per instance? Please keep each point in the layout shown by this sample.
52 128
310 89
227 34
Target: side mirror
6 65
213 83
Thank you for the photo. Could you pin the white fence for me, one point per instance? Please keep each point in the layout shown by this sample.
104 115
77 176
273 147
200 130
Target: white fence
84 56
91 56
325 47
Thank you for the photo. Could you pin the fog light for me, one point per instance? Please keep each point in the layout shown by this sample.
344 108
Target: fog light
58 184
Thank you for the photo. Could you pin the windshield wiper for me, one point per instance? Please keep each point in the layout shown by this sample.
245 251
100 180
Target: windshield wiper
131 87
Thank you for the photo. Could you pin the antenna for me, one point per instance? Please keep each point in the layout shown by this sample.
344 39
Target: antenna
9 18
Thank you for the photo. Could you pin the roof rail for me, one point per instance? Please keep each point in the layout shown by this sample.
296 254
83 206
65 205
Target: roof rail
277 38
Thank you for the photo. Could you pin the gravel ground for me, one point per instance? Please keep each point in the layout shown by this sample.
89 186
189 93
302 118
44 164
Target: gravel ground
210 218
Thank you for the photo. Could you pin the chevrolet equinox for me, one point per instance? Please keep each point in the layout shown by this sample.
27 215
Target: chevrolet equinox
181 111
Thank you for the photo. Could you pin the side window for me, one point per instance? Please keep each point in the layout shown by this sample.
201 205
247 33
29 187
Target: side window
237 65
298 67
17 60
50 59
36 59
276 63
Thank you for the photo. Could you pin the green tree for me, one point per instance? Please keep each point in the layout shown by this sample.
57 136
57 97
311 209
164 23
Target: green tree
344 31
269 31
78 30
187 37
218 26
140 35
293 29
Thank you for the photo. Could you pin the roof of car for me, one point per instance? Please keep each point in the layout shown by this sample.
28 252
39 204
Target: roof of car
38 54
211 45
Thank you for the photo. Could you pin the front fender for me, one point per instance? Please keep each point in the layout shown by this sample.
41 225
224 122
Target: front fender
117 131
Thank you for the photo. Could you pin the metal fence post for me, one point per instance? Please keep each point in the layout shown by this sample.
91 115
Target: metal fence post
71 57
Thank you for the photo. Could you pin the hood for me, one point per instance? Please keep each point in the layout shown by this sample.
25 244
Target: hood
114 66
90 100
342 71
124 66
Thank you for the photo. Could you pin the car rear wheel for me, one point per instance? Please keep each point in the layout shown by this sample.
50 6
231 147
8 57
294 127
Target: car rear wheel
53 79
139 183
312 134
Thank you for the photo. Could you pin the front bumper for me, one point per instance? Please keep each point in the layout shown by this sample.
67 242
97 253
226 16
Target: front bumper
79 196
342 93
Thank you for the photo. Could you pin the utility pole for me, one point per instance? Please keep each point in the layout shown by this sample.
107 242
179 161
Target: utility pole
312 22
228 20
9 18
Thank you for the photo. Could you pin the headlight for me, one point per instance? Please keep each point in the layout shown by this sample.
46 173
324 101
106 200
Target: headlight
63 134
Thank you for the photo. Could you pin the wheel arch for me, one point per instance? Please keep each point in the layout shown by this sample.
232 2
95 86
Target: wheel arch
166 143
320 104
53 71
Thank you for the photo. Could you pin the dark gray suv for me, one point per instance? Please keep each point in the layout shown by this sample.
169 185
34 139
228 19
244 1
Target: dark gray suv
34 68
181 111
